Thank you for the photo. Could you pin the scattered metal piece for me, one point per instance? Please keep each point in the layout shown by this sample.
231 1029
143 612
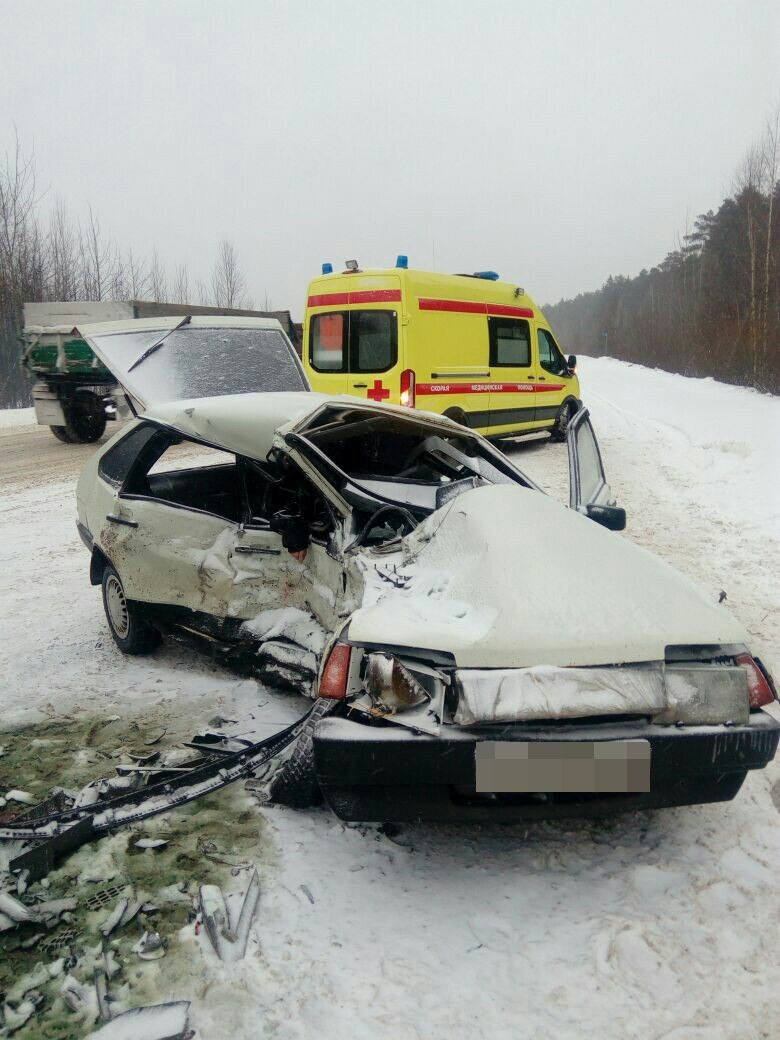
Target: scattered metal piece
156 1022
24 797
15 1018
14 911
101 995
157 739
21 882
77 997
229 943
150 947
124 911
151 843
143 757
31 940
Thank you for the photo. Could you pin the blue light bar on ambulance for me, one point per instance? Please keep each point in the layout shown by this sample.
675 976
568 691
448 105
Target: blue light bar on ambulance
327 268
402 261
490 276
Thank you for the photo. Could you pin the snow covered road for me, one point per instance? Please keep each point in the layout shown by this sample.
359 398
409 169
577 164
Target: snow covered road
653 925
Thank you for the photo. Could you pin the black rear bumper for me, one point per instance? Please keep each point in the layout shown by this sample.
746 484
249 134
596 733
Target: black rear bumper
389 773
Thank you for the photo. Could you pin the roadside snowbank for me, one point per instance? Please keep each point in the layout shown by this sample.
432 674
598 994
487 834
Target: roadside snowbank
16 417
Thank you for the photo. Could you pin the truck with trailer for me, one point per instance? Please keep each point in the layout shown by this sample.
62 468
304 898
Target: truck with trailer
74 393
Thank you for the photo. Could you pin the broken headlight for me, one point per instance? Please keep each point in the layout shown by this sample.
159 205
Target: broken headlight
391 685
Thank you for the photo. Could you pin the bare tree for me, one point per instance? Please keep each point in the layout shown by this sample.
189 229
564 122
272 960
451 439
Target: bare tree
97 258
137 277
181 285
158 281
63 255
227 281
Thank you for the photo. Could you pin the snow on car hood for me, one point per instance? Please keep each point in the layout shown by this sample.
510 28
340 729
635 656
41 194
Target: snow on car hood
507 577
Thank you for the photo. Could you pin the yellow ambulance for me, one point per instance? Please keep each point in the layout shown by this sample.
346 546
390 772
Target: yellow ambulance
468 346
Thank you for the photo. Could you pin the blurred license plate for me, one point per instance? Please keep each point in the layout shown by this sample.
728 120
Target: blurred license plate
562 766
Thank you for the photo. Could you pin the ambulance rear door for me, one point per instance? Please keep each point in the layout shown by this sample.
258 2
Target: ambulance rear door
327 344
513 378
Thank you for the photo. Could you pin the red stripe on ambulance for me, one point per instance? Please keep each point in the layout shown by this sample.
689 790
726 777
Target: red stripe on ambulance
432 389
347 298
467 307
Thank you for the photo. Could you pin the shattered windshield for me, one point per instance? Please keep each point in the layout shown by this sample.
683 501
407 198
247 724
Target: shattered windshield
404 461
198 361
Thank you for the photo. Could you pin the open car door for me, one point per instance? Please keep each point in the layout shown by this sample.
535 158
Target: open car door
589 492
157 360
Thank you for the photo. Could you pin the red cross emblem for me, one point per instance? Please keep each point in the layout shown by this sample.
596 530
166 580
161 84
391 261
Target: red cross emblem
378 393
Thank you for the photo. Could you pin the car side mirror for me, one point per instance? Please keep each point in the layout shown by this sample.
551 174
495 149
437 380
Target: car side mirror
611 517
571 362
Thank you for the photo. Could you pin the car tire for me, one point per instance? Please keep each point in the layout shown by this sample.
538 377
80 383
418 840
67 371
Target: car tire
86 417
295 781
560 429
129 631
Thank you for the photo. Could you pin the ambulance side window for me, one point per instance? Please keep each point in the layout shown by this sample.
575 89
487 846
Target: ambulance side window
328 342
550 358
510 342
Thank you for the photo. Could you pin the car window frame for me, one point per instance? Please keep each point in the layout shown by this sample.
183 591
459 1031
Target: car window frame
494 323
141 466
136 429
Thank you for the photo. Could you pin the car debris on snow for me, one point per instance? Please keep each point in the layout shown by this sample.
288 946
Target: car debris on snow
228 939
155 1022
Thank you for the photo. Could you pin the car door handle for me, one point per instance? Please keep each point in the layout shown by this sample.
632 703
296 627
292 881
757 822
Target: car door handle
262 549
360 386
542 379
121 520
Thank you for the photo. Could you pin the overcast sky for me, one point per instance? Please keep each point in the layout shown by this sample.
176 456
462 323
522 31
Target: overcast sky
556 143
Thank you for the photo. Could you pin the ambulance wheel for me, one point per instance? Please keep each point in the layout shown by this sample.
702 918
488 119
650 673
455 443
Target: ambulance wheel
561 427
457 415
129 631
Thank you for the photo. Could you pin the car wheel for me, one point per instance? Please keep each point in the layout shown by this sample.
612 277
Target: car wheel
130 632
561 427
86 418
295 781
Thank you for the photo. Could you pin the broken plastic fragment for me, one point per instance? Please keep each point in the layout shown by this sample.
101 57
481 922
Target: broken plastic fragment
150 947
20 796
157 1022
229 943
151 843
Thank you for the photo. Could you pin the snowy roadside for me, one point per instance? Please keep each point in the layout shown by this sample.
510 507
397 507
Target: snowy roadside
656 925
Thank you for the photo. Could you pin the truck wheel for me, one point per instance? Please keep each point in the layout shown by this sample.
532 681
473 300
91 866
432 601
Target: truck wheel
295 781
561 427
61 433
86 417
130 632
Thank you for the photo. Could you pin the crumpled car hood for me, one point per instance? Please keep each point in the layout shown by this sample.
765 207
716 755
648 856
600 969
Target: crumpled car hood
507 577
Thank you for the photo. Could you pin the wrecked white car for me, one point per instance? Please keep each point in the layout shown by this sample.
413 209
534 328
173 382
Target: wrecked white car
477 649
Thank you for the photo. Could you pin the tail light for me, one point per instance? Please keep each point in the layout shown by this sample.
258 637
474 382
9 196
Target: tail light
760 691
335 674
407 388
